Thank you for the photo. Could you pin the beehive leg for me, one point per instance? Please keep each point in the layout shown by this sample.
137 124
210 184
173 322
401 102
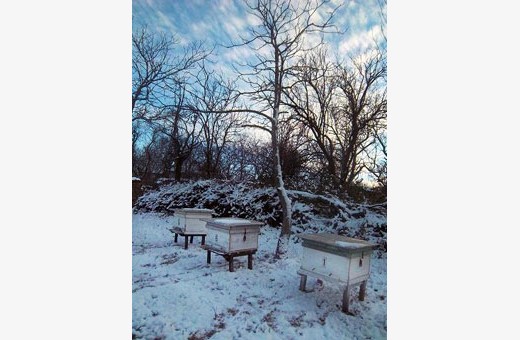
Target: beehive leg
346 296
209 257
303 282
191 239
250 261
231 264
203 240
362 290
175 239
185 242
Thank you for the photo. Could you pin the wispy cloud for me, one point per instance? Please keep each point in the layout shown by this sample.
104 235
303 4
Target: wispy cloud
165 21
361 41
223 22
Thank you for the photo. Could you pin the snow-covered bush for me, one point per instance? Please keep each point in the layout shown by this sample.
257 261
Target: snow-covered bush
310 212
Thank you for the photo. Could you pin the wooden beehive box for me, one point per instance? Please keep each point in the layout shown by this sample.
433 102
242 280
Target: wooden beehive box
232 235
336 258
191 220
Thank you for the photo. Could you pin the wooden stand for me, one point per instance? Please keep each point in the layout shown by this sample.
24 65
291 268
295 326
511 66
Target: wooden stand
178 231
346 292
229 256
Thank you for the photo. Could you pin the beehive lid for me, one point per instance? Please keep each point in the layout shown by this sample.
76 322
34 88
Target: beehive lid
336 244
231 222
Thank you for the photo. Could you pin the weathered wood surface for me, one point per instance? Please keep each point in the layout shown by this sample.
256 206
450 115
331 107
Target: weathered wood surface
233 234
192 219
362 290
186 235
228 256
362 281
346 300
336 244
303 282
336 267
337 259
229 223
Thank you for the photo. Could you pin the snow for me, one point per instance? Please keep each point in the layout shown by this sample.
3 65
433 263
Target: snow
177 295
310 212
344 244
232 220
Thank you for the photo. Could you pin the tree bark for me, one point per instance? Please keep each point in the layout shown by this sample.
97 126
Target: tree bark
283 240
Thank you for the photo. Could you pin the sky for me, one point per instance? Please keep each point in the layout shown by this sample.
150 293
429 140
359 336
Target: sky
222 21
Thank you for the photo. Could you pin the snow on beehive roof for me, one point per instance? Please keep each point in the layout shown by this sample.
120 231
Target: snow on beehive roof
336 240
232 221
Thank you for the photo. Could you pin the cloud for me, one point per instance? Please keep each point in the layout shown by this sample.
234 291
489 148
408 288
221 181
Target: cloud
200 28
252 20
224 21
234 26
165 21
361 41
238 54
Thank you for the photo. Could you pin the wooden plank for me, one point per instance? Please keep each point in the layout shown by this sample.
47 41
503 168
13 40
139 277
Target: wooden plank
231 264
303 282
346 298
326 264
176 230
233 253
229 256
186 233
362 291
332 279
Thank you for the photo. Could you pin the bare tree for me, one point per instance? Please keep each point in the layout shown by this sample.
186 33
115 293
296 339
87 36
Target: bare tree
277 41
312 102
241 157
214 100
157 59
160 72
376 163
363 108
181 125
145 163
343 105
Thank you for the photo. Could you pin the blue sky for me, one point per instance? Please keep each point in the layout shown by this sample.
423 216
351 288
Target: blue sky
221 22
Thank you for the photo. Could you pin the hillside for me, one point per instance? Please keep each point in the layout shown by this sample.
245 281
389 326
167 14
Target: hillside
311 212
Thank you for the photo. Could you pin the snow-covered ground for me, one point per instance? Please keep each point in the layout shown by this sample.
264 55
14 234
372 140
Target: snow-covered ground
310 212
177 295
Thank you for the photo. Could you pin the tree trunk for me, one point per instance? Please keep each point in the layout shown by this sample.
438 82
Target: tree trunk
178 168
283 240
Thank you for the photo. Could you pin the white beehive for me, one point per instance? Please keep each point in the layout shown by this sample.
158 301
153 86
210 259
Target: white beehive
336 258
191 220
231 235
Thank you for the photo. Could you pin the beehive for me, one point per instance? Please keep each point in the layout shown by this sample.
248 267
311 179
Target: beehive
336 258
191 220
231 235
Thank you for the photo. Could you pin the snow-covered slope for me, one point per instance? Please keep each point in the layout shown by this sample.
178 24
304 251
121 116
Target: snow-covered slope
176 295
311 213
